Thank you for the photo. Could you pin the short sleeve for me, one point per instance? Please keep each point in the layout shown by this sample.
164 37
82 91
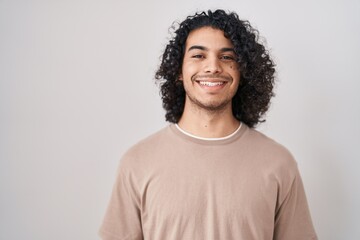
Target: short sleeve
122 219
292 219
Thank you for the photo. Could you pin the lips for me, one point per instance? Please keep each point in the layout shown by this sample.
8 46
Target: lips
212 78
210 84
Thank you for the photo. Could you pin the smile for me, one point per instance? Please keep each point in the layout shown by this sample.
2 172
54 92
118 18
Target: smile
210 84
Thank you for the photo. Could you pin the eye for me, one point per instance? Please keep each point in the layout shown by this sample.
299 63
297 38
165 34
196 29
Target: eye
198 56
228 58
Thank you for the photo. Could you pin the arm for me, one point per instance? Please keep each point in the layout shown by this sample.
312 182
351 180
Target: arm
292 219
122 220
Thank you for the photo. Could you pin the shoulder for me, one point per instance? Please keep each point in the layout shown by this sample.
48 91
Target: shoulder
273 160
272 154
139 154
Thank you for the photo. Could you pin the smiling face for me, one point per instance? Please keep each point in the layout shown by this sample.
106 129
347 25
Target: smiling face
210 72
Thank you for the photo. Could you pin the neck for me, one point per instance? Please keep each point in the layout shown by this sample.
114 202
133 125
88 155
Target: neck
208 124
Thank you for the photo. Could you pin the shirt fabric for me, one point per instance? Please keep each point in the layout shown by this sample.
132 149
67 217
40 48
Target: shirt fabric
171 186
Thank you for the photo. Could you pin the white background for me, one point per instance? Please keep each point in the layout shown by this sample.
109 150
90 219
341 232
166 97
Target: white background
77 89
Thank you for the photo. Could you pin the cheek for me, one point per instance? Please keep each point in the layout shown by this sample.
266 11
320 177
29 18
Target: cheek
234 71
188 70
232 66
236 76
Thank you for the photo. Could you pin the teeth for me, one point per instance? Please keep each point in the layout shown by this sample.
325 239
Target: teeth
211 84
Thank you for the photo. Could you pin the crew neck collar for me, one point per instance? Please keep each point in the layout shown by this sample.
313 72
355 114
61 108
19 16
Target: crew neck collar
208 141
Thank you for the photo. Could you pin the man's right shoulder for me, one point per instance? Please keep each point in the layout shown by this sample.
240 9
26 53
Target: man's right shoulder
146 149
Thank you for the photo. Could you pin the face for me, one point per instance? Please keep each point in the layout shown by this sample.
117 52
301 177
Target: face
210 72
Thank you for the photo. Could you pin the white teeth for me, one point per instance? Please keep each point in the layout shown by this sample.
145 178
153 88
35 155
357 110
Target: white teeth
211 84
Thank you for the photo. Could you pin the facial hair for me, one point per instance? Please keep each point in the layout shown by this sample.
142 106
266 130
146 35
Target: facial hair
214 106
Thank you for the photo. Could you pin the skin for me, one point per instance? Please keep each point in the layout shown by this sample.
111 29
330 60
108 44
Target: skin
211 77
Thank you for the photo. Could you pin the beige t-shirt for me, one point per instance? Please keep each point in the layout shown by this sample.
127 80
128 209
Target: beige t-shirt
172 186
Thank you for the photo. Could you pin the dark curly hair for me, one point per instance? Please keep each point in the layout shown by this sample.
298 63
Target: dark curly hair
257 70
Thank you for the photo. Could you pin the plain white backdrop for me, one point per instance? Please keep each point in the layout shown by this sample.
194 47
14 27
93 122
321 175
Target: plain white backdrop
77 89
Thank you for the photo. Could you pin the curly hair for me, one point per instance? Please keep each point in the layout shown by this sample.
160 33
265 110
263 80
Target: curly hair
257 69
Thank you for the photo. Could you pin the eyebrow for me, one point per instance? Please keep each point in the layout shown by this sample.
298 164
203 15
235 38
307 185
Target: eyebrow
198 47
226 49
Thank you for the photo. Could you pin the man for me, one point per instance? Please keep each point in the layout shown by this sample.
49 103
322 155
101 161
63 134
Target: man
209 175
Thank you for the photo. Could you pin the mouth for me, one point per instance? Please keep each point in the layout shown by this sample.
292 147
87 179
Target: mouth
211 84
211 80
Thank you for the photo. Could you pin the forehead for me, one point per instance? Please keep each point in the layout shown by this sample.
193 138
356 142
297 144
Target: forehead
208 37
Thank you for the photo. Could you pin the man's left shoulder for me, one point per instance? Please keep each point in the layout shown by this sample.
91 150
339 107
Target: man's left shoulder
271 150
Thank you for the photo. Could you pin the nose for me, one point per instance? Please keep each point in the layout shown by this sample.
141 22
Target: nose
213 65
